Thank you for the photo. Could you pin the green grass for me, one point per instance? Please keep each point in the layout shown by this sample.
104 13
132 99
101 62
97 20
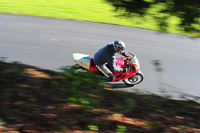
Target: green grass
84 10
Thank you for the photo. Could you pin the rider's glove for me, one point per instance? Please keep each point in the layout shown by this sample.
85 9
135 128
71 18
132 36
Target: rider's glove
125 54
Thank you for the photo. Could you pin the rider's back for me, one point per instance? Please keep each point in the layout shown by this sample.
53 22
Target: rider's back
104 55
107 55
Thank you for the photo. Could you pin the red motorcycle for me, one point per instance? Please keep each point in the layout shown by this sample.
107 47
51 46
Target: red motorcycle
132 77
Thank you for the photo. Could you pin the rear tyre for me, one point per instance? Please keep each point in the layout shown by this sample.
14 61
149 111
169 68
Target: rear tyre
138 78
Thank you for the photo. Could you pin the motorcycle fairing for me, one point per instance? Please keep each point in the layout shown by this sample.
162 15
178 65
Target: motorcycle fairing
132 63
82 59
121 75
86 61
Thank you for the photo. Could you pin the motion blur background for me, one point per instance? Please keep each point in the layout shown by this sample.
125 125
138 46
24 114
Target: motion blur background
173 16
164 35
49 43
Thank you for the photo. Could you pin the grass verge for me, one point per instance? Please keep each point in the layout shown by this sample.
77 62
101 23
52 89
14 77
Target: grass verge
87 10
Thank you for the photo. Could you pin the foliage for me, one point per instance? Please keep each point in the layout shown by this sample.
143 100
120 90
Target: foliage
74 100
2 64
82 77
121 129
187 12
93 127
168 14
63 128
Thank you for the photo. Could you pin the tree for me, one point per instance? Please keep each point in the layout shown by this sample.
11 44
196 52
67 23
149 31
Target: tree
187 11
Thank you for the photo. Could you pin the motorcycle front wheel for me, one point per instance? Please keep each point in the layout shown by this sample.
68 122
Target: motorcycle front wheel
138 78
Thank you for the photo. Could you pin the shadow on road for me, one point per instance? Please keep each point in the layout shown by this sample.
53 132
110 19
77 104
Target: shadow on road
116 85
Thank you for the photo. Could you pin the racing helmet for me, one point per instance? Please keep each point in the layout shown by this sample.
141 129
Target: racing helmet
119 46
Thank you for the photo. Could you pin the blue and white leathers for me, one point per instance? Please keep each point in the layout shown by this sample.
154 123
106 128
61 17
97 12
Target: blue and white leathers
107 55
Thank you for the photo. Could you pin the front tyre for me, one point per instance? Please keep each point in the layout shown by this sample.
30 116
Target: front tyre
138 78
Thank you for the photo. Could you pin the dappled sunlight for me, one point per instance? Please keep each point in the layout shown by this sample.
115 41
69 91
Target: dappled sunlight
23 85
105 111
36 74
44 101
2 123
49 115
72 106
187 129
110 89
121 118
93 95
49 107
19 103
77 131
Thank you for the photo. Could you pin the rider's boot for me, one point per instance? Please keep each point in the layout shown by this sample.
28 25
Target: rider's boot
110 77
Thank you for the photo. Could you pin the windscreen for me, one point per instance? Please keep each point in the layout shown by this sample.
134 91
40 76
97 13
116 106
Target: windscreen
134 60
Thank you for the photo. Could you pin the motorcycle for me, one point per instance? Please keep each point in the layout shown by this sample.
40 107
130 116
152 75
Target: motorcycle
132 77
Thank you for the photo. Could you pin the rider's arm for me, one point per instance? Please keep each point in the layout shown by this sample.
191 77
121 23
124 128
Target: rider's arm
123 53
113 66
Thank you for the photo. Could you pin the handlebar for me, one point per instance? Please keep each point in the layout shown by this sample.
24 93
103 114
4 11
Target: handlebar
127 62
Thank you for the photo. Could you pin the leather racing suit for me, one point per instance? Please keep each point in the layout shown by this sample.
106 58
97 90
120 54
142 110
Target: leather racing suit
106 56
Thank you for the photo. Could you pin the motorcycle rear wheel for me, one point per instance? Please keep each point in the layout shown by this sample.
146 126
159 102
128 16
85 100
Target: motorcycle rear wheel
138 78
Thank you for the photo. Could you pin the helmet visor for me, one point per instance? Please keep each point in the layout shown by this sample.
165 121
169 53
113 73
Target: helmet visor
120 48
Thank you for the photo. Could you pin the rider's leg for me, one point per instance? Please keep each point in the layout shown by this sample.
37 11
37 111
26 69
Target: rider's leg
104 69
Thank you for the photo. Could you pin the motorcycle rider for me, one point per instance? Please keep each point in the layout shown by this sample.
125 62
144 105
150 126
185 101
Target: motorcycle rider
106 55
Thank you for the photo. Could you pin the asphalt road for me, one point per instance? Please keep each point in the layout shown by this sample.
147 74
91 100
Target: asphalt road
49 43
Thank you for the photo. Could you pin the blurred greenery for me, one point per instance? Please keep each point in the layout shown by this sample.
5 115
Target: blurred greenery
1 126
93 127
95 11
76 100
182 13
63 128
121 129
